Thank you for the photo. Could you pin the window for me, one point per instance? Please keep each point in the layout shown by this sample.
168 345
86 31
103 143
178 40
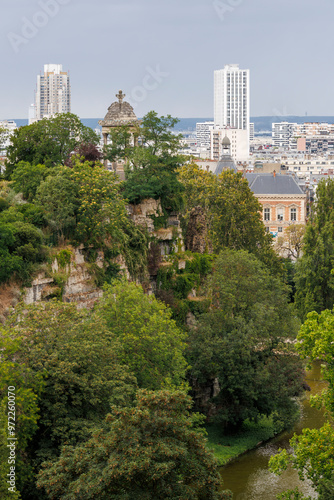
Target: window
280 213
293 214
280 230
266 213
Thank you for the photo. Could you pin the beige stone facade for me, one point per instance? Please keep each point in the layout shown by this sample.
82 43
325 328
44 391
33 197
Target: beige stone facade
280 211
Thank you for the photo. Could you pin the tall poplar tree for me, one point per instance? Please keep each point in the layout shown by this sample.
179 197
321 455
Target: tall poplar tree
314 278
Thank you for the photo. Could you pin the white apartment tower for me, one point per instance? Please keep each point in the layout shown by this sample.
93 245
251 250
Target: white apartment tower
231 97
53 93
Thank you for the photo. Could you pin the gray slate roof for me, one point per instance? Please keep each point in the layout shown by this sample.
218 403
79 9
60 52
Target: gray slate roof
226 162
268 184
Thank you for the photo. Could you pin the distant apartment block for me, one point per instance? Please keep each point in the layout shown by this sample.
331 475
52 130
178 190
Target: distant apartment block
8 126
282 133
251 131
53 94
310 138
203 130
231 97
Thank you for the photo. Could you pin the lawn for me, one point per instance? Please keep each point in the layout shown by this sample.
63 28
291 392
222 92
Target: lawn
226 447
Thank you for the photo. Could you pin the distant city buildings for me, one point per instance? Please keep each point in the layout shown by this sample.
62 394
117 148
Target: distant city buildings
239 143
311 138
251 131
203 130
231 116
8 126
53 94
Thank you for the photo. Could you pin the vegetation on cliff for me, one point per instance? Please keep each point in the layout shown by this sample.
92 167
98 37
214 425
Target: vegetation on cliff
110 385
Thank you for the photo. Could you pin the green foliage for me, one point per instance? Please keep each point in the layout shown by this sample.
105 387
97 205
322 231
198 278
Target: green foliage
64 257
233 212
200 264
65 364
313 455
226 447
134 249
152 345
314 281
28 386
101 213
47 142
59 197
4 204
20 248
151 170
120 147
27 178
313 450
292 495
316 341
174 284
150 451
33 214
241 342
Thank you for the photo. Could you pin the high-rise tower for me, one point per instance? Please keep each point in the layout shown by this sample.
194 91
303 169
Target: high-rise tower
53 93
231 97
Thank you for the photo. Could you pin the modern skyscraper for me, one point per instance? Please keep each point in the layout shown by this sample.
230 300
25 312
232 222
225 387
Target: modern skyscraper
53 93
231 97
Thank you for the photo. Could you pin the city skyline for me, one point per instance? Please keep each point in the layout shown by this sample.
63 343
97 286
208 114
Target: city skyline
163 55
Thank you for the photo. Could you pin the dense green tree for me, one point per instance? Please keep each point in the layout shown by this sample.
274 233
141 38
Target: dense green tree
149 451
85 203
151 165
313 450
233 213
27 178
314 279
49 141
21 246
59 197
242 343
101 214
121 145
152 345
67 368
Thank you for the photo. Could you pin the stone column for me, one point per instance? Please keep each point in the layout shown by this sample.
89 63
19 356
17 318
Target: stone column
105 142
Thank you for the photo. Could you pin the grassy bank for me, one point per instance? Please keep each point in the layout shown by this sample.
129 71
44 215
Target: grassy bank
227 447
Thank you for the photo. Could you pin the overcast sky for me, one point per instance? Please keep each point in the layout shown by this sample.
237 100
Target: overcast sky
162 54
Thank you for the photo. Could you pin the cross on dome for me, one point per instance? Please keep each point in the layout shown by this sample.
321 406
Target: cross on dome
120 96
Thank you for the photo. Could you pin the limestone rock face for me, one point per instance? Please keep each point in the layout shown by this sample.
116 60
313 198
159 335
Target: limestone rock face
140 214
197 238
169 238
79 286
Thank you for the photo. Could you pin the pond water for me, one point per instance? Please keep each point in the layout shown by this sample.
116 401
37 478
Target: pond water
248 476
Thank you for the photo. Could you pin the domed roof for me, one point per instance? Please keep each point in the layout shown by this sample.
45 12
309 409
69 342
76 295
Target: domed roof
226 141
119 113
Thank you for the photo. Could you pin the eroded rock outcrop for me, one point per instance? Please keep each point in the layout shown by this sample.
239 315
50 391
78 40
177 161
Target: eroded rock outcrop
197 236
